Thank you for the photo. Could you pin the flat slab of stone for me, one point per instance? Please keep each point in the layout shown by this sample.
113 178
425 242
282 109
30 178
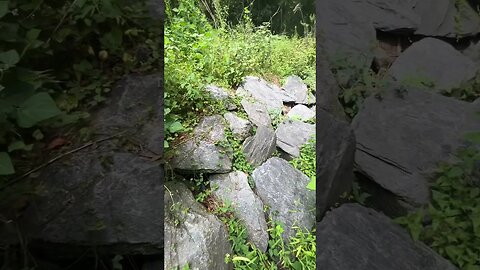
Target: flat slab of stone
101 195
257 113
204 152
264 92
293 134
355 237
345 34
283 189
328 89
98 197
335 158
301 112
433 60
261 146
133 105
241 128
233 188
401 138
192 235
441 18
296 88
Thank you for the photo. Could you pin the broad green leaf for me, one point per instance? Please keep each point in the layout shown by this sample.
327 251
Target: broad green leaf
33 34
6 166
175 127
473 137
3 8
313 183
19 145
238 258
37 108
10 58
455 172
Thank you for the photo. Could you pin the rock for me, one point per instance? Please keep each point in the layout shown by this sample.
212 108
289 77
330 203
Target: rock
473 52
433 60
205 152
217 92
221 95
346 36
94 197
233 188
260 147
401 138
283 188
240 127
192 235
264 92
133 105
292 135
295 87
355 237
257 113
328 88
391 15
301 112
336 152
440 18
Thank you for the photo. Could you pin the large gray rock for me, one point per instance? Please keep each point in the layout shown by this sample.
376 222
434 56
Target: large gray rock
221 95
301 112
101 195
345 34
260 147
292 135
257 113
133 105
98 197
240 127
335 155
233 188
391 15
264 92
433 60
355 237
192 235
401 138
205 150
217 92
283 189
295 87
441 18
327 88
473 52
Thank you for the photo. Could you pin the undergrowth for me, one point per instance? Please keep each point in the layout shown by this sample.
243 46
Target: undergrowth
451 222
306 162
198 53
60 59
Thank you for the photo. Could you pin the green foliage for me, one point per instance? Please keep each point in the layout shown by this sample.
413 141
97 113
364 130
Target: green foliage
240 162
454 212
198 53
306 163
298 254
356 82
58 59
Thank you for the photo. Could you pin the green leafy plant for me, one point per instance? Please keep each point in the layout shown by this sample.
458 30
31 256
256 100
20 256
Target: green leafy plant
451 222
306 163
59 59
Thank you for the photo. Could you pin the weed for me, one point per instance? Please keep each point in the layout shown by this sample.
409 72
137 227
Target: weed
454 212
